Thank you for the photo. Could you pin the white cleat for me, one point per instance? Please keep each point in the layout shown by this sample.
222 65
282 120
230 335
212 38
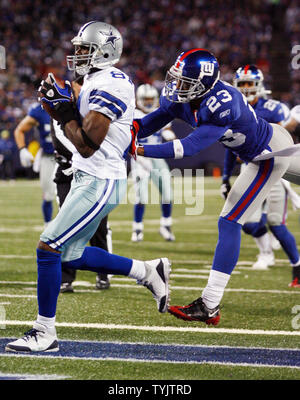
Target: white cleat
166 233
157 281
137 236
274 242
264 260
36 339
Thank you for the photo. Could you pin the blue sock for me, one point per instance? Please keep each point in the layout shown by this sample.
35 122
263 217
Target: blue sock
98 260
287 242
49 281
47 210
228 247
256 229
166 210
139 210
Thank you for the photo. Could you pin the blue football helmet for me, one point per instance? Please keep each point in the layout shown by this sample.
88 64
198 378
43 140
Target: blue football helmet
194 74
254 77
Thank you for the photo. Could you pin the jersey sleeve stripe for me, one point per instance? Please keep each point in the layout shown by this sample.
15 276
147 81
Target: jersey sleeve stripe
111 107
109 98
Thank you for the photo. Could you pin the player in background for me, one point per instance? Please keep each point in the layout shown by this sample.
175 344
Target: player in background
99 126
157 170
217 111
249 80
45 162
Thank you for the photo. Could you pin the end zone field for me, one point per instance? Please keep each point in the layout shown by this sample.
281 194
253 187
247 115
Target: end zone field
117 334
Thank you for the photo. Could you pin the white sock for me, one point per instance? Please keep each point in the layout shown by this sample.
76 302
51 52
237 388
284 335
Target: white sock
264 243
138 270
166 221
214 290
137 226
49 323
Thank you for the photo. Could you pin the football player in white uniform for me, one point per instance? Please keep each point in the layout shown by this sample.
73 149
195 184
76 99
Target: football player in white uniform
155 169
99 128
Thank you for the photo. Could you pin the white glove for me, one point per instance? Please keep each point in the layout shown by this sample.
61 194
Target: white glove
295 113
26 158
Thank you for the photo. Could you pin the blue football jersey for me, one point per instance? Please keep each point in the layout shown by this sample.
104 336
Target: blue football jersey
270 110
43 118
247 135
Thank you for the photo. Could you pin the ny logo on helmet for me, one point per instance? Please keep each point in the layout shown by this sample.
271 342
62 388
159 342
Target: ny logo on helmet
207 68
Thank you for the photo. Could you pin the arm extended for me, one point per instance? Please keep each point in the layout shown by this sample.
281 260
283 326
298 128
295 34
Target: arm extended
196 141
153 122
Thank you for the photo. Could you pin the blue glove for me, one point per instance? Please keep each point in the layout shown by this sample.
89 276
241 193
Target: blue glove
52 93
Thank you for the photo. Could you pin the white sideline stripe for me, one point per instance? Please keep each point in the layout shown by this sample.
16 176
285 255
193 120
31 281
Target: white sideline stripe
33 377
29 296
15 256
136 360
159 328
134 286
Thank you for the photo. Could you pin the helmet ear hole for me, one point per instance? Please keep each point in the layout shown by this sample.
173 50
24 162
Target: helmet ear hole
106 55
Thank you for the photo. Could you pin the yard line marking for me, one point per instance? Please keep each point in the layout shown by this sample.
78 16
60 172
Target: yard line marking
29 377
91 325
15 256
172 287
30 296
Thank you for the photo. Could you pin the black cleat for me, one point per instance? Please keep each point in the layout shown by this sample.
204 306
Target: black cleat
196 311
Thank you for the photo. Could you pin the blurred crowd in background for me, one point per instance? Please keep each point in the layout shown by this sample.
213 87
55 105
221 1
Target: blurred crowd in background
37 34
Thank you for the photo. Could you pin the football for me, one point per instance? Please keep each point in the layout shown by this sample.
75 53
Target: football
48 107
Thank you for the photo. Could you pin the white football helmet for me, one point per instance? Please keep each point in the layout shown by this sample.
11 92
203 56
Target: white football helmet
147 98
104 46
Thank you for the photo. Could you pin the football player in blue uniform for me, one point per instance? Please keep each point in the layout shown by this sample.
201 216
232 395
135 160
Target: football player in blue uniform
217 111
249 80
38 118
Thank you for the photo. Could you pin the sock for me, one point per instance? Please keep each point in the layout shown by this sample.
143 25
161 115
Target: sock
49 323
166 210
138 270
98 260
137 226
296 272
264 243
49 281
139 210
214 290
47 210
166 221
228 246
287 242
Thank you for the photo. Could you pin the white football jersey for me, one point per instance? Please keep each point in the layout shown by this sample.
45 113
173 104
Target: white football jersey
110 92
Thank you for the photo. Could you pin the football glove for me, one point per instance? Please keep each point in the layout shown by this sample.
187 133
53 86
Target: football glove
52 93
134 133
26 158
225 189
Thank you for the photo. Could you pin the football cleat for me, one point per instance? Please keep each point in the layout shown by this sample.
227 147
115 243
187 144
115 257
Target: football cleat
66 287
295 283
137 236
36 339
157 281
166 233
264 260
102 282
197 311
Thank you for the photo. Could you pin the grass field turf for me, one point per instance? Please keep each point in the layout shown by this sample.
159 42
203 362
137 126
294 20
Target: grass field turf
256 307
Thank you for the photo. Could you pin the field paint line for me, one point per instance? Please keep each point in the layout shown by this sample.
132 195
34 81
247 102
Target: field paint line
91 325
30 377
29 296
136 360
195 271
12 256
172 287
150 352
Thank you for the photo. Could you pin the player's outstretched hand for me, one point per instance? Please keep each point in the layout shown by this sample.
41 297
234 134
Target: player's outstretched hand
134 133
